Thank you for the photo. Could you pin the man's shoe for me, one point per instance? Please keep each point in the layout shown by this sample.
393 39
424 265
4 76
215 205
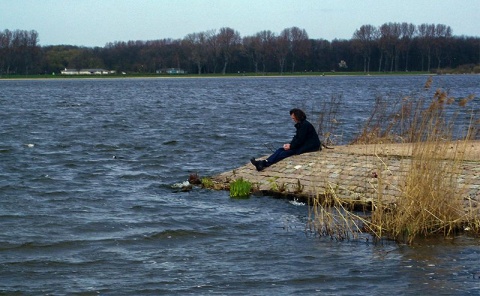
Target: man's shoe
261 165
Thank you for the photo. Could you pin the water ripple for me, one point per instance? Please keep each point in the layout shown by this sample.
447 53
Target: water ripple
87 205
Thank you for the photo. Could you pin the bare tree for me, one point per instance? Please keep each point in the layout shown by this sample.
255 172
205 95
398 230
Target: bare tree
252 49
442 34
389 38
5 51
365 38
228 40
213 48
407 33
197 45
282 49
19 51
297 43
267 45
426 34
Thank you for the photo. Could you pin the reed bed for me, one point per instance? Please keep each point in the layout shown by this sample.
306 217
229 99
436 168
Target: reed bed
431 201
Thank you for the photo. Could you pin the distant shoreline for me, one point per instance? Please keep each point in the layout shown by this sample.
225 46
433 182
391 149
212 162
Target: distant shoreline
231 75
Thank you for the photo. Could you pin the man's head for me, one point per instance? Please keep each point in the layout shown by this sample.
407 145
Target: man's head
297 115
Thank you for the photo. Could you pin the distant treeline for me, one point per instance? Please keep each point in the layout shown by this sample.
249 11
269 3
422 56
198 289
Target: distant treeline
391 47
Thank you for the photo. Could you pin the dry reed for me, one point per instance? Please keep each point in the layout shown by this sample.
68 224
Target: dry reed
431 200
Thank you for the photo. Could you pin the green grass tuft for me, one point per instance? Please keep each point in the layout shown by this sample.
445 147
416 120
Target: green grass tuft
240 188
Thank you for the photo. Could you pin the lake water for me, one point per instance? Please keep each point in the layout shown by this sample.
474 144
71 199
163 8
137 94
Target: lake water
88 206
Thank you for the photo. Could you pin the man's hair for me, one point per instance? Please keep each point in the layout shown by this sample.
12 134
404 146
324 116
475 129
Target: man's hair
299 114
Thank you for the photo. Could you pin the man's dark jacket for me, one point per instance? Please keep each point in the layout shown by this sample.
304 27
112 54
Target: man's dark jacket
305 139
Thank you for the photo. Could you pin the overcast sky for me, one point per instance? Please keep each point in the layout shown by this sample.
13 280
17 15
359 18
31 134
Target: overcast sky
97 22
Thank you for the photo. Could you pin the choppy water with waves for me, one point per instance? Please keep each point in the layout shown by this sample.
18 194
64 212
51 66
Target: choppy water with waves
87 205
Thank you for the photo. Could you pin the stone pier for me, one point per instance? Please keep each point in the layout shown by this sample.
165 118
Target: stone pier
357 173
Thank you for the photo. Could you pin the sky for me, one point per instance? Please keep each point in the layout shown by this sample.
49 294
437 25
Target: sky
93 23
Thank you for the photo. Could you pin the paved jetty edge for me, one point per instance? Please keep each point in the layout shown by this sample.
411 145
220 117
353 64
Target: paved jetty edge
354 172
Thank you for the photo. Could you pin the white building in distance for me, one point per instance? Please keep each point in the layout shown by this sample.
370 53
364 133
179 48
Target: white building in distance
86 72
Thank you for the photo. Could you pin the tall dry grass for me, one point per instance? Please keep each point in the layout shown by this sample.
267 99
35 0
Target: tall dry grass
431 199
429 202
329 216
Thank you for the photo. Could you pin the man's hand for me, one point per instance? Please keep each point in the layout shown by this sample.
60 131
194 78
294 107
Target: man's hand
286 146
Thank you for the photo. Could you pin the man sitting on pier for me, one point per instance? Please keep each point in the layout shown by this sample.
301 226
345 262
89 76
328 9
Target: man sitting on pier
305 140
